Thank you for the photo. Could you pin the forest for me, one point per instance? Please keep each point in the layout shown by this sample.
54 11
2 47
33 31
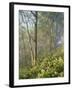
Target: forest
41 44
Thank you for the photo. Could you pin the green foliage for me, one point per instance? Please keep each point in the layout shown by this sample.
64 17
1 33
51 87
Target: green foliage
51 66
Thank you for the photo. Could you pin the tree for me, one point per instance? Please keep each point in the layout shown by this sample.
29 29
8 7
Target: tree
27 21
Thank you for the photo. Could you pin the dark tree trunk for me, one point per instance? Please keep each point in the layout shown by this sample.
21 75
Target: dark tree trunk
35 57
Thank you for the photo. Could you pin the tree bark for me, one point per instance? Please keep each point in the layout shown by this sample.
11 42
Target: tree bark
35 53
31 50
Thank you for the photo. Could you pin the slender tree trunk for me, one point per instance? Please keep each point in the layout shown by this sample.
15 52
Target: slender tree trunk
51 37
24 51
30 44
35 51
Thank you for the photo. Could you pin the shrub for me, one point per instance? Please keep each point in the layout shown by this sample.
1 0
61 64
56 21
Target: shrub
50 66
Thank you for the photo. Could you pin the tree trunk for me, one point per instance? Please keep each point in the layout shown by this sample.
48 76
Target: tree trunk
35 51
24 51
31 50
